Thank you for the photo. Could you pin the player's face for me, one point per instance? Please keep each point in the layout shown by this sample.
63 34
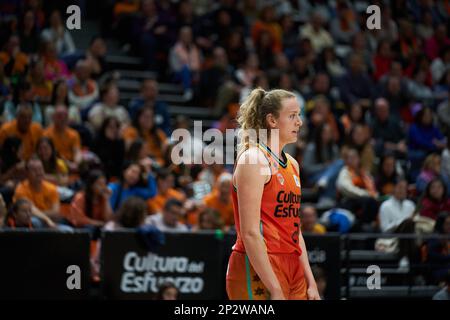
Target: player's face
289 121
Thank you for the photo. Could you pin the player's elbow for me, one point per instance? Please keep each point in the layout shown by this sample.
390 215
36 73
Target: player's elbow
250 235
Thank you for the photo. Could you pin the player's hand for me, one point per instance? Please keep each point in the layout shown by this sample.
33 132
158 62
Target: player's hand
313 293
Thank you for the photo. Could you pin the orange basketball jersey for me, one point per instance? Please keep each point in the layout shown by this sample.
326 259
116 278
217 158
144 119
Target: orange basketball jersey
280 207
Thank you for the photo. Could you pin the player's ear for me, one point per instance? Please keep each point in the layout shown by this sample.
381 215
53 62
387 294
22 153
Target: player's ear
271 121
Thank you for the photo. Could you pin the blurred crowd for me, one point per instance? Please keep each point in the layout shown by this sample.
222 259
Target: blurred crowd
374 147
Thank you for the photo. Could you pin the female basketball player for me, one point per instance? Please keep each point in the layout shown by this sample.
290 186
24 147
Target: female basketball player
269 259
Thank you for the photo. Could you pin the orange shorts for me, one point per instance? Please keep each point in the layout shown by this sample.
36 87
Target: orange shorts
242 282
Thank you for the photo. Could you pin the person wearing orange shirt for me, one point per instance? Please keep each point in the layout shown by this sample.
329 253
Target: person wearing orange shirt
220 199
144 127
66 140
269 259
42 194
15 62
267 23
23 128
90 207
164 182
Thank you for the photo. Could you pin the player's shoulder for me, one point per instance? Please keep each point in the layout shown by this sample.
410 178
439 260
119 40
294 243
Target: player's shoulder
252 155
293 161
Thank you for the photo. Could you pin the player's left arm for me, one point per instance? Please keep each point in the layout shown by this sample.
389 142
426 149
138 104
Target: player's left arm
312 292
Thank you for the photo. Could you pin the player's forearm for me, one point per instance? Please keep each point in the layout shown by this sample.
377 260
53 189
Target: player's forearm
305 263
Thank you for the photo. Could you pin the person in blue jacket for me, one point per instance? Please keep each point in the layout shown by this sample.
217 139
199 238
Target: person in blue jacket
133 182
423 138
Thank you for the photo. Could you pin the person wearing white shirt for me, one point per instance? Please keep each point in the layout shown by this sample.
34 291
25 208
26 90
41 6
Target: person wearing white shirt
397 209
167 220
396 216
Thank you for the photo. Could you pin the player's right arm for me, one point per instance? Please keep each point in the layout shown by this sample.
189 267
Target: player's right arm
251 173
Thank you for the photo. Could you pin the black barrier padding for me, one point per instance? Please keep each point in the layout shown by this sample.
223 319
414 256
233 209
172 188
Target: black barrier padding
33 264
193 260
146 270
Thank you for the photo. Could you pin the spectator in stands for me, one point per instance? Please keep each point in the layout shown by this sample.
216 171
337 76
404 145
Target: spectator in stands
55 169
435 44
131 214
167 291
308 218
108 106
54 67
361 48
144 127
133 182
91 207
435 199
267 24
138 152
321 114
40 87
150 32
431 169
149 98
395 90
328 62
28 33
407 45
208 219
322 163
396 213
66 140
95 56
387 131
165 185
423 137
83 89
355 115
443 115
15 62
382 60
110 147
357 188
42 194
4 85
356 85
168 219
60 97
12 168
23 94
59 35
321 86
440 65
360 139
314 31
389 173
235 49
396 216
220 199
214 77
185 61
19 215
437 249
445 161
22 127
344 26
425 29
